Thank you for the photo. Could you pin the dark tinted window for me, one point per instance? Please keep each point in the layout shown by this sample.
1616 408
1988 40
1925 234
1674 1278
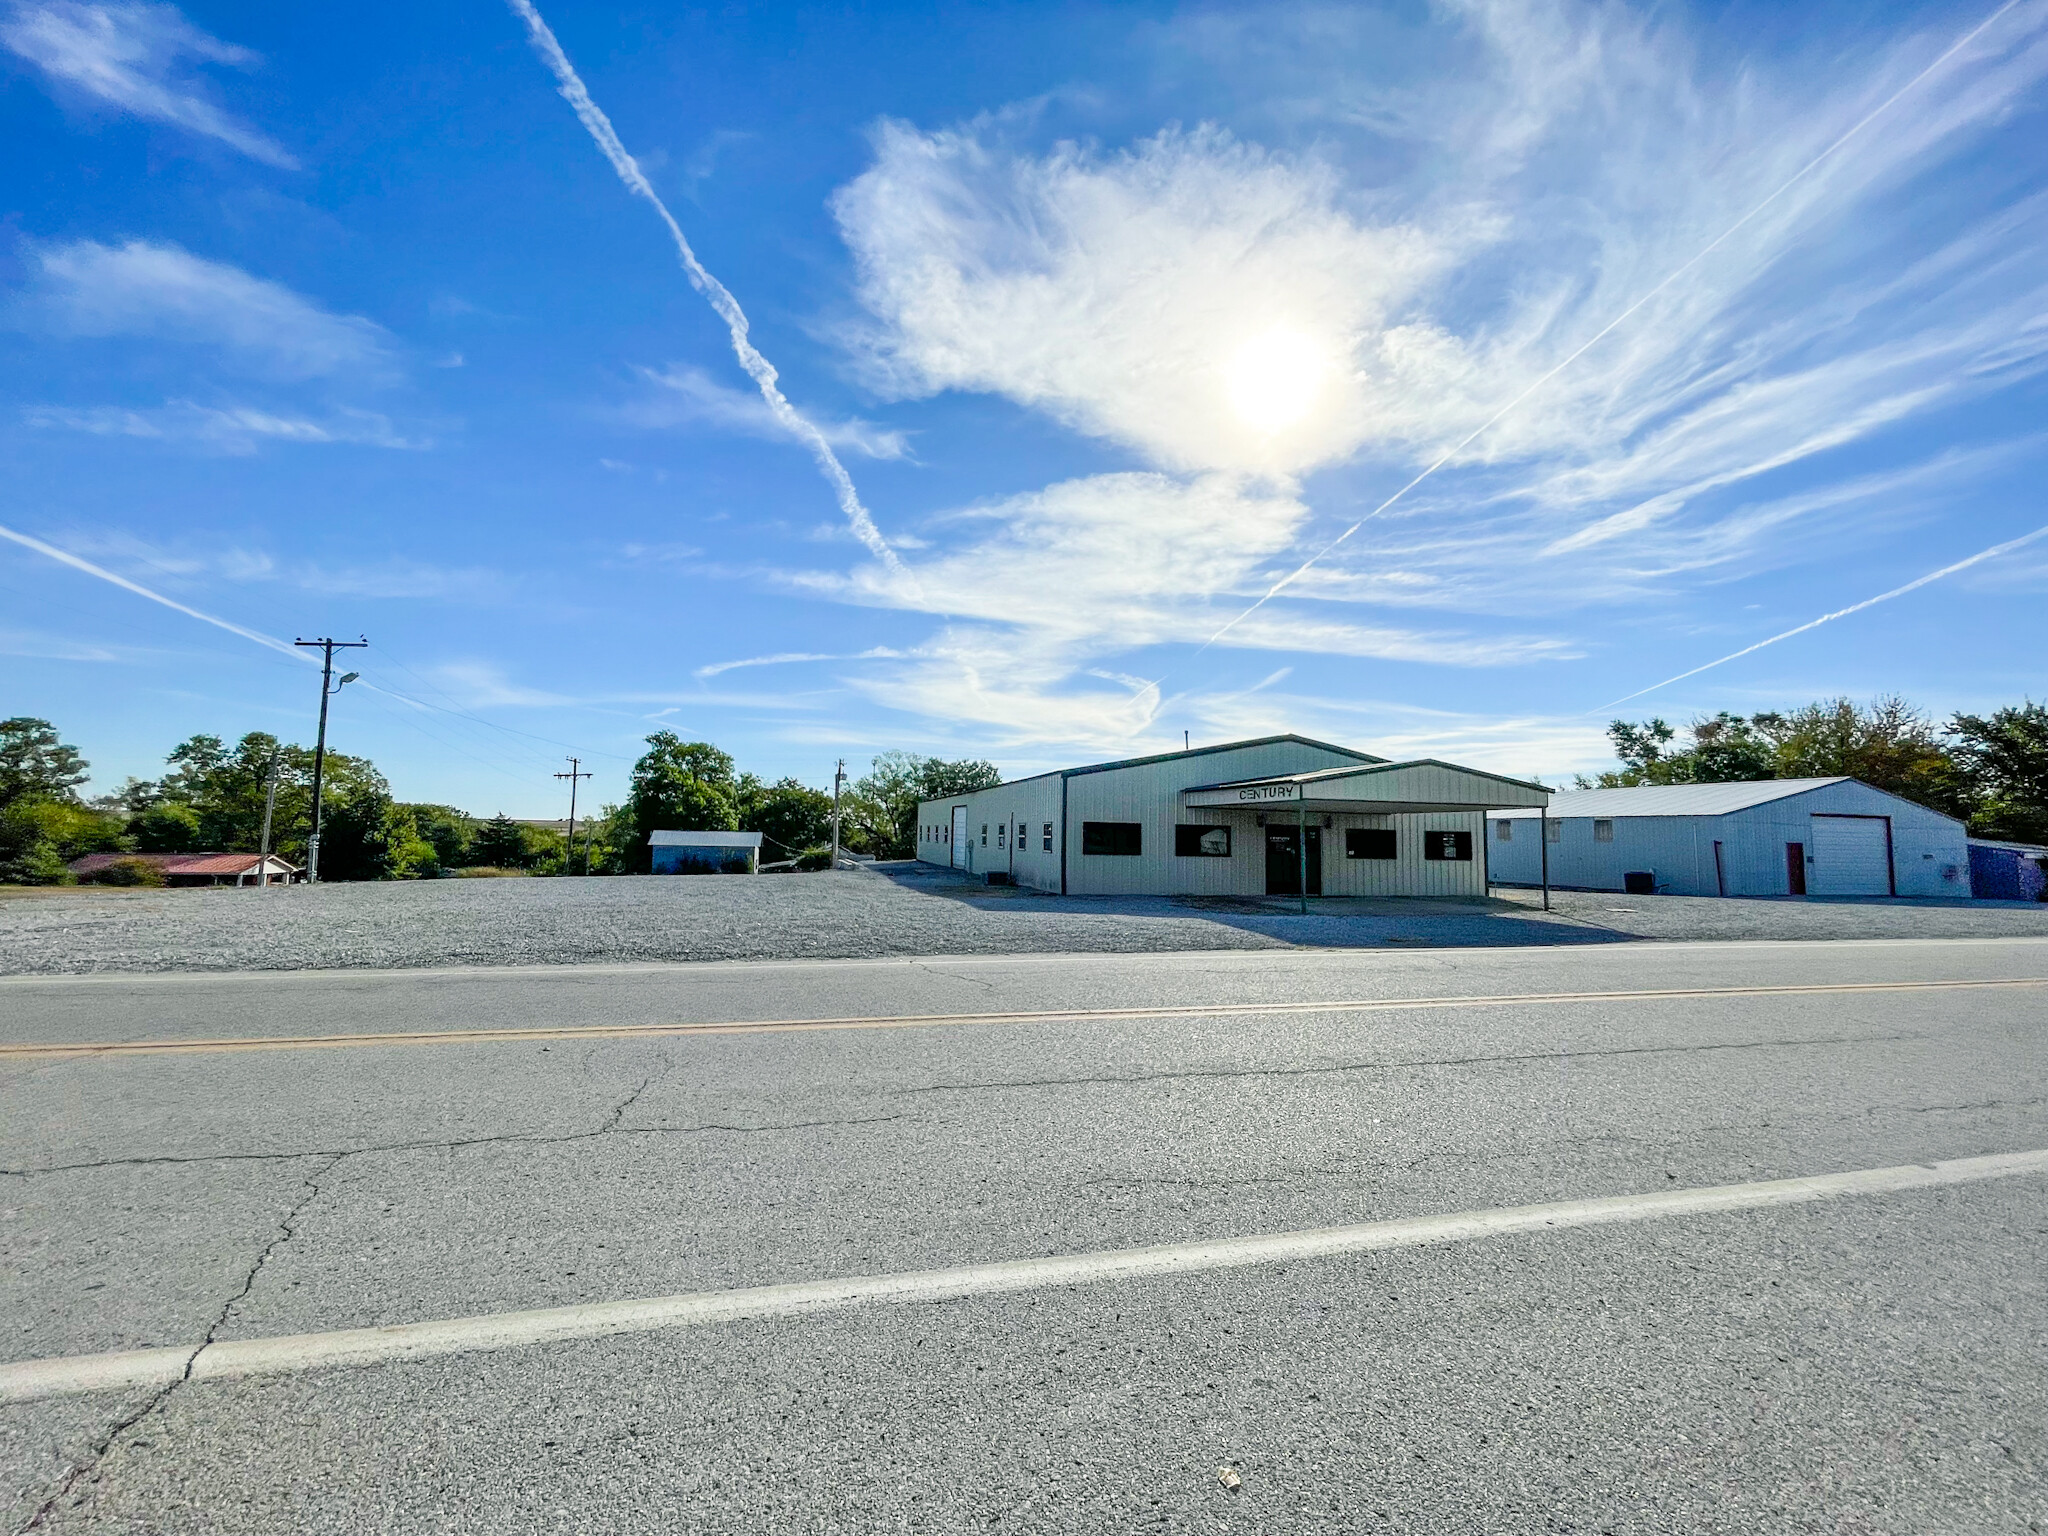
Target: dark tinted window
1368 843
1126 839
1192 842
1453 846
1048 837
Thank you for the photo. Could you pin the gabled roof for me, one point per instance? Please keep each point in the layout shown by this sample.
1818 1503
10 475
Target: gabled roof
1682 799
1167 757
1377 765
181 863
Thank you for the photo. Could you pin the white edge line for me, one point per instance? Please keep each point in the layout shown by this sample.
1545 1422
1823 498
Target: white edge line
30 1380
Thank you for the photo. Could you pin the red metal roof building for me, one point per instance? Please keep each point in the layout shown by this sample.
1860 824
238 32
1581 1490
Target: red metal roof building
197 868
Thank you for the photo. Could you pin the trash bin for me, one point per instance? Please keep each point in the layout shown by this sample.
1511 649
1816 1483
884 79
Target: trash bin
1640 882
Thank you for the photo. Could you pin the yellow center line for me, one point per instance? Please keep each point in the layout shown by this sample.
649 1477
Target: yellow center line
930 1020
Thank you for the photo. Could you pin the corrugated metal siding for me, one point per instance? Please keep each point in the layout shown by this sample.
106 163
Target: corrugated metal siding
1426 783
1149 794
1928 852
1029 803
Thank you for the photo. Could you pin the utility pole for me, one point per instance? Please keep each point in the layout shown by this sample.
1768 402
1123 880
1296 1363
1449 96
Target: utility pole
269 807
569 853
838 778
327 647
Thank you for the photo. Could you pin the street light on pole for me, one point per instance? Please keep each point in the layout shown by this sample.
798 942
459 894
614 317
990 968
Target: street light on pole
328 689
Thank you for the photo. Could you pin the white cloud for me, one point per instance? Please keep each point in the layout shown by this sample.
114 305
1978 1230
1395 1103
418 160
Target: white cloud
145 289
233 429
135 58
1237 317
1212 305
683 395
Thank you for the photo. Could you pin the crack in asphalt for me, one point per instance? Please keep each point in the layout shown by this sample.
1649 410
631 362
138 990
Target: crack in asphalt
1229 1074
612 1128
287 1228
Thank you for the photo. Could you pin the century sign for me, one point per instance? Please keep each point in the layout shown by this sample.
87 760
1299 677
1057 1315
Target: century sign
1244 794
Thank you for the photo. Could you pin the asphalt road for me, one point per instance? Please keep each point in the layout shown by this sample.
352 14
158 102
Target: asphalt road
243 1169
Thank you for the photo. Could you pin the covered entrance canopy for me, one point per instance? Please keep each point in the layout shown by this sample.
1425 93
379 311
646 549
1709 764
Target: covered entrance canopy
1421 786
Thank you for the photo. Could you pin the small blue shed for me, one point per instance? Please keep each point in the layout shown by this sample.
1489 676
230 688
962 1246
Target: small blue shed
705 853
2007 871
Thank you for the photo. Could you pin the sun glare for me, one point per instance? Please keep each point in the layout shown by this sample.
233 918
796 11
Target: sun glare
1274 380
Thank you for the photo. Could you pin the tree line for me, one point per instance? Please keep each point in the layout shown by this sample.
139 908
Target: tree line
212 798
1991 771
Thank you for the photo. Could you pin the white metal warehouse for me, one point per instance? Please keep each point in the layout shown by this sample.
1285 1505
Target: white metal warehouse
1280 815
1775 837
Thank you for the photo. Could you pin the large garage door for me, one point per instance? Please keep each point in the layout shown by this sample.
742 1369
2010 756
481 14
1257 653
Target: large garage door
1852 856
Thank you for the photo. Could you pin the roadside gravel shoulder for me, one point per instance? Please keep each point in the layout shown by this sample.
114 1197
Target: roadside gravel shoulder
890 910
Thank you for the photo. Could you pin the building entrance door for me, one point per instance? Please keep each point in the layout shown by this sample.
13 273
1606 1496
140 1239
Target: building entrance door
1795 868
961 847
1283 861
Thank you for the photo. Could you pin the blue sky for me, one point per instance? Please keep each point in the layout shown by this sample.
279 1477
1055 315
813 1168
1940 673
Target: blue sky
338 322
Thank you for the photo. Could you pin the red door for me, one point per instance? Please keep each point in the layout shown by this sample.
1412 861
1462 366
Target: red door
1795 868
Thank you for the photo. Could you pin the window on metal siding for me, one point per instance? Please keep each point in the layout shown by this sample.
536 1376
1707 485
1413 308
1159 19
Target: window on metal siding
1048 837
1117 839
1504 831
1447 847
1553 830
1603 831
1368 843
1201 842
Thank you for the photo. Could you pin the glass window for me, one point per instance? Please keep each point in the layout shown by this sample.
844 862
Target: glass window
1603 831
1193 842
1447 847
1119 839
1048 837
984 834
1368 843
1553 831
1504 830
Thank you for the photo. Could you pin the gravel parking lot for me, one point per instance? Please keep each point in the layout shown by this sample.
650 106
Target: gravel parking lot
893 909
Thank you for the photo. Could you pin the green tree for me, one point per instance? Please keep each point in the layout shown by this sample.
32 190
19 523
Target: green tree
789 815
499 843
39 836
883 816
679 786
447 829
169 826
2003 759
35 764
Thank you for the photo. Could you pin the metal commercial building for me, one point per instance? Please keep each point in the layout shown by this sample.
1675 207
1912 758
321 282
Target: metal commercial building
1775 837
1277 816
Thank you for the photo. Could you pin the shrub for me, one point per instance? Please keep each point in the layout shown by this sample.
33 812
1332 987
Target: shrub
129 872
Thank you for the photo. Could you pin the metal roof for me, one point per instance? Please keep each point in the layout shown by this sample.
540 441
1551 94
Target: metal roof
1166 757
704 839
180 863
1678 799
1316 775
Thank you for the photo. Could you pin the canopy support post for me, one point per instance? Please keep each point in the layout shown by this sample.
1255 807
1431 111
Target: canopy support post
1543 842
1301 844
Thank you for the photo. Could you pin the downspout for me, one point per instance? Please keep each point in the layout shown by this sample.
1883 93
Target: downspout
1063 834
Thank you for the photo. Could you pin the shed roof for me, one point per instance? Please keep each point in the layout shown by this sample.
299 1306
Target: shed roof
703 839
1679 799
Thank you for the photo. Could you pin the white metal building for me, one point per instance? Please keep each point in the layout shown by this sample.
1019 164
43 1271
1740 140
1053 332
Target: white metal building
1247 818
1774 837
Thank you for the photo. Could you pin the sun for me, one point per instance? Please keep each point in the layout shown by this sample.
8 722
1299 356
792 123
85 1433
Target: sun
1274 381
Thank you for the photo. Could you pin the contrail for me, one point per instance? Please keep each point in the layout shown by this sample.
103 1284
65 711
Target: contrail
1840 613
1727 234
758 367
78 563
